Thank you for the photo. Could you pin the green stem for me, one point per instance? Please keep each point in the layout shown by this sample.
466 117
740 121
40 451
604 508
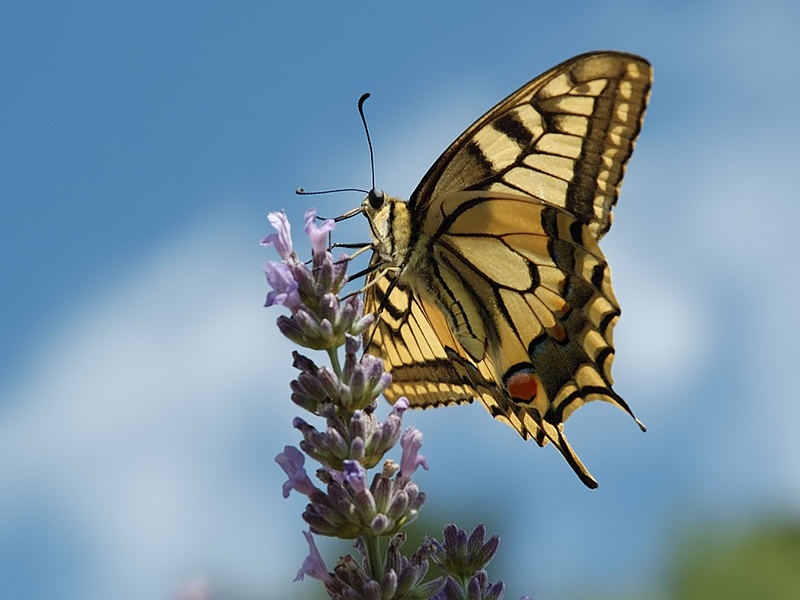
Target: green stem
372 544
334 356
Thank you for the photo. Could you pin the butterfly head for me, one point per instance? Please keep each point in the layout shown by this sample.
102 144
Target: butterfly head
375 199
389 224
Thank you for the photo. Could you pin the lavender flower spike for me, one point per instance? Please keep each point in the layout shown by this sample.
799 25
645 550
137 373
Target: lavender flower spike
313 565
411 442
353 504
282 240
291 461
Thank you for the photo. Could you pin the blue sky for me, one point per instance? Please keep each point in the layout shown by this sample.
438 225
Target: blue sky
143 388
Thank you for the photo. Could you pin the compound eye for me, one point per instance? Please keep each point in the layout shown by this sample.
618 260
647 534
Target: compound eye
376 198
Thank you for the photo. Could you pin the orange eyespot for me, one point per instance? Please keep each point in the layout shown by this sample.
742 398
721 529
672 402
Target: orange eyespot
523 386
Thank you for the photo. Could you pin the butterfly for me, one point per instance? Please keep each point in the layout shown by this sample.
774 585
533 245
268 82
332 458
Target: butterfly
488 282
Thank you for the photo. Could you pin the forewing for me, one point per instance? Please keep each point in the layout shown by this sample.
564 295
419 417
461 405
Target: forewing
563 138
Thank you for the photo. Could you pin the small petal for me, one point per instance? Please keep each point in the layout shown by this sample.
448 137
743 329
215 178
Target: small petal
291 328
497 591
372 590
313 565
382 492
483 557
389 468
477 585
351 344
450 537
340 498
452 591
330 308
372 367
357 449
399 505
475 539
282 240
291 460
433 589
336 476
339 270
359 423
318 235
305 282
324 270
359 326
411 442
380 524
284 286
364 503
303 363
389 584
400 406
356 475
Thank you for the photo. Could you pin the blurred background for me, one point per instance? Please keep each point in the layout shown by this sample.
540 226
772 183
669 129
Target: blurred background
144 388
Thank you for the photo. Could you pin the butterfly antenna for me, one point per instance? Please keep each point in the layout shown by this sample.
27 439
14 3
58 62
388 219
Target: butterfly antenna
301 192
366 130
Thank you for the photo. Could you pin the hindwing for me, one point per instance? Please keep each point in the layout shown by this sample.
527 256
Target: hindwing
430 368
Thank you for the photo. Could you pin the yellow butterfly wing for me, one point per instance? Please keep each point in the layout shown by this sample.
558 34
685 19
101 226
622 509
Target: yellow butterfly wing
430 369
497 288
563 137
420 351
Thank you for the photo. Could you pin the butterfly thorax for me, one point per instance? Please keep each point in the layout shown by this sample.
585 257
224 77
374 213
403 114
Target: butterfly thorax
408 256
390 226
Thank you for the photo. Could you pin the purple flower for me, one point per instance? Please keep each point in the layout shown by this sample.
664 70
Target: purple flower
400 406
282 240
318 235
313 565
463 556
478 586
355 474
284 285
291 461
367 380
411 442
336 476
